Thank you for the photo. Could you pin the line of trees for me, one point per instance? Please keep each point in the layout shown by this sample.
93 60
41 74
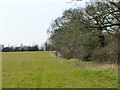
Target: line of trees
22 48
45 47
89 33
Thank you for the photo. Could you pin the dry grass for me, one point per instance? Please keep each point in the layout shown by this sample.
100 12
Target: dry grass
101 66
89 65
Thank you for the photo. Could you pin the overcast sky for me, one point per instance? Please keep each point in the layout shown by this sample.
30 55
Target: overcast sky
26 21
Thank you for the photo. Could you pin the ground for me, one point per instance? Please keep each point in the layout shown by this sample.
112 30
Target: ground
41 70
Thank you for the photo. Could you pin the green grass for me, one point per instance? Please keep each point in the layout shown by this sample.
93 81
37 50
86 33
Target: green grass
40 70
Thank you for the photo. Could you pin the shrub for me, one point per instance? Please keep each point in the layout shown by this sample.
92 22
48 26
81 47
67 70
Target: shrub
107 54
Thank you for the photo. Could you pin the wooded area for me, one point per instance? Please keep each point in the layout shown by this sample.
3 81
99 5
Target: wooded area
89 33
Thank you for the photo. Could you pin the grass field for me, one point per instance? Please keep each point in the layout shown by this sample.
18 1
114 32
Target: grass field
40 70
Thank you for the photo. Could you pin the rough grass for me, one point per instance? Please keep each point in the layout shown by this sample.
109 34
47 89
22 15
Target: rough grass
40 70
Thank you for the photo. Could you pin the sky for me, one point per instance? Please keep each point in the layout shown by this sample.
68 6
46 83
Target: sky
26 21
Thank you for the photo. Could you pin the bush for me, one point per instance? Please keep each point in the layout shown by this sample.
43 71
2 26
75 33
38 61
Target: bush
108 54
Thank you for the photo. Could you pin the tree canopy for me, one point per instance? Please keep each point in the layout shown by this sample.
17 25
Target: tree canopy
82 32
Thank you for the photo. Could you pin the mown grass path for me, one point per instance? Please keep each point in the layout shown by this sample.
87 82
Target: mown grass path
40 70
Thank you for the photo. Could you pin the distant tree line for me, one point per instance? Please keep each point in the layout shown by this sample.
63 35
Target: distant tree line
45 47
22 48
89 33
